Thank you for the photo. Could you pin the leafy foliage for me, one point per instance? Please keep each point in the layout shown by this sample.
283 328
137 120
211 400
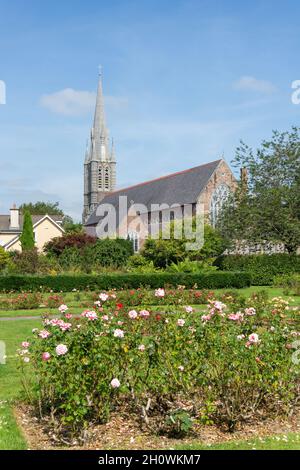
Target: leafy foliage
164 252
40 208
263 268
68 282
57 245
27 235
25 262
109 252
266 208
4 258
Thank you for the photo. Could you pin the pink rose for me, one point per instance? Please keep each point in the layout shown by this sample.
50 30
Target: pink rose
118 333
206 317
44 334
63 308
180 322
61 349
115 383
253 338
103 296
25 344
250 311
236 316
90 315
132 314
144 313
188 309
46 356
159 293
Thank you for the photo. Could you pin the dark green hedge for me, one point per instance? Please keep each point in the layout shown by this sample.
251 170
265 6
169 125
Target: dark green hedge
67 283
263 268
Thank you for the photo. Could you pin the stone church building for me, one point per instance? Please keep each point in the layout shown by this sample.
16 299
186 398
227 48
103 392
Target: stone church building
158 200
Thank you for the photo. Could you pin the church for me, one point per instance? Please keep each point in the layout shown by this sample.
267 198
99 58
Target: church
155 201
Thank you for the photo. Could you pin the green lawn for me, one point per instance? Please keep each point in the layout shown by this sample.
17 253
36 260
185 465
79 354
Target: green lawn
12 332
290 441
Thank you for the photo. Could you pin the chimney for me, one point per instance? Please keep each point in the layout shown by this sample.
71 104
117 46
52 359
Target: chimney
14 218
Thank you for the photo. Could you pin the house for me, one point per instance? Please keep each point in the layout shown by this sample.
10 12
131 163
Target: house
45 228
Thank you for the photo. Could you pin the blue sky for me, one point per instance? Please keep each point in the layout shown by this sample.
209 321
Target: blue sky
184 81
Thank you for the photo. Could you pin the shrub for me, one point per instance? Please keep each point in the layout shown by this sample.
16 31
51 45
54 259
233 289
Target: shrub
57 245
71 259
109 253
163 251
67 283
22 301
54 301
25 262
138 264
289 282
263 268
188 266
226 366
4 258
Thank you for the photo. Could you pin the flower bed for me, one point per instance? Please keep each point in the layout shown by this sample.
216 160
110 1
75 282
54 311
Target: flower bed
224 365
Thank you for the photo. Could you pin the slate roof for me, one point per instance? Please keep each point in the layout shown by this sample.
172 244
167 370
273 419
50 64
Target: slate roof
182 187
5 222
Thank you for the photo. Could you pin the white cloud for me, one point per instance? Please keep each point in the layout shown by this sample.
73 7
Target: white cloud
69 102
72 102
248 83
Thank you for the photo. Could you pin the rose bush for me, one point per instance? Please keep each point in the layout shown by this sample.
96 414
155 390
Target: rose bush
221 365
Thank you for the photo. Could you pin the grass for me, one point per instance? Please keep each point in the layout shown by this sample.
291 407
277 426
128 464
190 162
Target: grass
12 333
290 441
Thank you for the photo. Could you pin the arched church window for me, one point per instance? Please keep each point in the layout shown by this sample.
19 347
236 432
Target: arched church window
217 201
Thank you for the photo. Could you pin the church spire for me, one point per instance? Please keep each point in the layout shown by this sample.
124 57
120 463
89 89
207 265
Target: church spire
100 161
100 147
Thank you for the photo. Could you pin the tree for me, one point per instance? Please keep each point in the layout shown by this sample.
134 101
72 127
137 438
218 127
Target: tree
266 208
164 252
27 235
57 245
41 208
52 208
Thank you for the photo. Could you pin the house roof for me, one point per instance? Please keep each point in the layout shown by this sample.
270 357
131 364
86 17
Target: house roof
5 222
182 188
